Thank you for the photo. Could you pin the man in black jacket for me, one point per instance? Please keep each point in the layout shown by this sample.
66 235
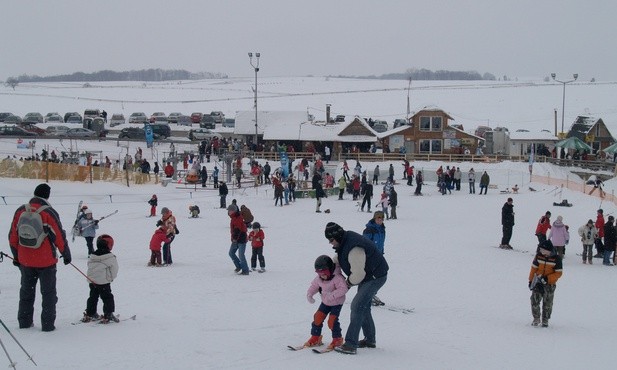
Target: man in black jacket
365 267
507 223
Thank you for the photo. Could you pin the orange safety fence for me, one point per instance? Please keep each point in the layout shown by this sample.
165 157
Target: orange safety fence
575 186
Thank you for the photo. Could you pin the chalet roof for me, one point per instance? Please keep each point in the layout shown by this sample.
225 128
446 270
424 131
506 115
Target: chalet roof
583 124
357 131
434 109
245 120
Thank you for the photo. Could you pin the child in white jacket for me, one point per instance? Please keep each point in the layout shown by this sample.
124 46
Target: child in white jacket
102 270
588 234
331 284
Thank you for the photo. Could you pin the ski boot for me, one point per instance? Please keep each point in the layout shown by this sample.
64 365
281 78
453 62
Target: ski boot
109 317
536 321
89 318
314 341
335 343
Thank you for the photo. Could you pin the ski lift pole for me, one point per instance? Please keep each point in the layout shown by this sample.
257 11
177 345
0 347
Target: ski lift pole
19 344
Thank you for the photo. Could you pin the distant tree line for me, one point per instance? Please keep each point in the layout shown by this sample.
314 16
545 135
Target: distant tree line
140 75
427 75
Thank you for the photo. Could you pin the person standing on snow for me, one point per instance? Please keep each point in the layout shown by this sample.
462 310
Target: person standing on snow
87 229
153 202
168 220
600 226
588 234
39 263
331 286
365 267
102 270
223 191
376 175
393 200
471 175
319 192
559 236
546 269
366 199
484 182
507 224
544 224
610 239
237 228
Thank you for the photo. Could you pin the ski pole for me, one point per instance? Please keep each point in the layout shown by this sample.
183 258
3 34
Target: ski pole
86 276
2 255
11 363
100 219
19 344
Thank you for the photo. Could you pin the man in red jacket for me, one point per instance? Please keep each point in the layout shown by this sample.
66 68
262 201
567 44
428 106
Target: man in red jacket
600 226
543 225
39 263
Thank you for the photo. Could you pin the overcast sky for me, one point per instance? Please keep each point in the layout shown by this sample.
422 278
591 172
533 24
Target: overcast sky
520 38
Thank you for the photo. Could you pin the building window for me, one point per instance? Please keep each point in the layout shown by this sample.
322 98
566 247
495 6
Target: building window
430 146
430 123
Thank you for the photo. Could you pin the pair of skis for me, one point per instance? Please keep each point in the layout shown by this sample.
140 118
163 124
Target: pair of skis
315 350
134 317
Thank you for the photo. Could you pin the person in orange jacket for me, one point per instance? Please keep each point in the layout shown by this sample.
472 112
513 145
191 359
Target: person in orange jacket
546 269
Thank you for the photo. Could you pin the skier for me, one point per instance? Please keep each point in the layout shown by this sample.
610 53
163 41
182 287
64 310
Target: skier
102 270
546 269
610 238
257 236
600 226
87 229
393 199
331 285
375 230
419 183
153 202
169 225
507 223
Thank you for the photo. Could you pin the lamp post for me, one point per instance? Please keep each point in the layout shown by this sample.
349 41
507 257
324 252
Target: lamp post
563 103
256 68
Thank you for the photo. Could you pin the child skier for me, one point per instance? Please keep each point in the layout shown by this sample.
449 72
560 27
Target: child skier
332 287
153 202
87 229
194 211
257 236
546 269
159 236
102 270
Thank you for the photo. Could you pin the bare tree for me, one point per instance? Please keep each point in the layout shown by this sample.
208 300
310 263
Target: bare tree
11 82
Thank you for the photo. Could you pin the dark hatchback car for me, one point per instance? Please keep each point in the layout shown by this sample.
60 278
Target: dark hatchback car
161 129
15 131
207 121
135 133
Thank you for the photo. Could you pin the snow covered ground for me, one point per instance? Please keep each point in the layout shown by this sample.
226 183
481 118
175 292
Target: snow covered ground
471 299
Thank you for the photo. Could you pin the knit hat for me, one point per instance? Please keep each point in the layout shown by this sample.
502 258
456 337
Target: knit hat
559 218
334 231
42 191
232 208
601 211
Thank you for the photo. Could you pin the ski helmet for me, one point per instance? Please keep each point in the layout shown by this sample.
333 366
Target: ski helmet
256 225
105 241
324 263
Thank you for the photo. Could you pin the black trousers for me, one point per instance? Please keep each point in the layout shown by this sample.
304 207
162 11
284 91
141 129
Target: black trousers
29 278
103 291
507 234
258 253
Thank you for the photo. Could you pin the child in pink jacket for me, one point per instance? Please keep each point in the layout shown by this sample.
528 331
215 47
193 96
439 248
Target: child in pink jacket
331 284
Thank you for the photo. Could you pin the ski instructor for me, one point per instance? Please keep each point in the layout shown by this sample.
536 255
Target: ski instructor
38 263
365 267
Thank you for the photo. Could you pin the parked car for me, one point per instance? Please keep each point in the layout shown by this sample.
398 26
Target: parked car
184 121
229 122
173 117
159 119
29 126
218 116
117 119
138 117
196 117
13 119
207 121
15 131
201 134
339 118
92 113
3 115
132 133
55 118
70 114
161 129
81 132
74 119
400 122
156 115
34 117
380 126
56 130
481 130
